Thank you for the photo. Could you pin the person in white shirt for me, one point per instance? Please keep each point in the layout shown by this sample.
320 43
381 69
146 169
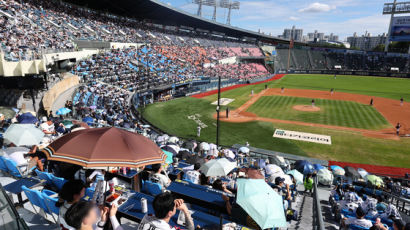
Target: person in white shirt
165 207
194 175
359 220
159 178
71 192
48 128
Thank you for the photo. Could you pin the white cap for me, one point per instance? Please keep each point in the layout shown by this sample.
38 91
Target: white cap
44 118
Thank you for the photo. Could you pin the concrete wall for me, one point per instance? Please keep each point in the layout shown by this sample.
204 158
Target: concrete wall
52 94
22 68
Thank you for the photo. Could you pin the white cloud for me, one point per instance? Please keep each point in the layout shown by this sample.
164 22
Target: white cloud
293 18
317 7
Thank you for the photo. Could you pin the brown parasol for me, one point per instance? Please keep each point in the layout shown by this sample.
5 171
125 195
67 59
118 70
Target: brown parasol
105 147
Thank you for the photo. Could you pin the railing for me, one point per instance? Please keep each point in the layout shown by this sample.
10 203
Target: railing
10 217
318 223
403 205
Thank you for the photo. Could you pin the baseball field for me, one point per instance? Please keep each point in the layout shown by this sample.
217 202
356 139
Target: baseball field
360 133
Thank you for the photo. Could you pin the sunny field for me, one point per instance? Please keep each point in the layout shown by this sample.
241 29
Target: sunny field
173 118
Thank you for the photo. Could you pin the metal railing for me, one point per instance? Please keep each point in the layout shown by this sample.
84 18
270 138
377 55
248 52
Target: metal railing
317 211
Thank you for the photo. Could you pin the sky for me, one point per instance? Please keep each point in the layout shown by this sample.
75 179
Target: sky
341 17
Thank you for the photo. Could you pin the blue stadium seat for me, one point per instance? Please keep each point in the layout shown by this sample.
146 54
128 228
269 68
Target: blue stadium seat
3 166
58 182
50 203
153 188
44 176
14 170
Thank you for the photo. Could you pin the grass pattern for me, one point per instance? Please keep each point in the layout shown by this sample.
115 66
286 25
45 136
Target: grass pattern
333 112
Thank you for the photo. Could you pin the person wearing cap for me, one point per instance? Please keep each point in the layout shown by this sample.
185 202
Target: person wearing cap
279 187
359 220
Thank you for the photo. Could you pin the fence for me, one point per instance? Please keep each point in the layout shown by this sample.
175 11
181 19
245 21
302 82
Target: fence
317 211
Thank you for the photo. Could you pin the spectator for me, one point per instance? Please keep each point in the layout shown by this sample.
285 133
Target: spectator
83 216
159 178
71 192
165 206
359 220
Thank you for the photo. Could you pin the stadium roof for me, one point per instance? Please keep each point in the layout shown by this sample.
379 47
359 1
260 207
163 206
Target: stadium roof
165 14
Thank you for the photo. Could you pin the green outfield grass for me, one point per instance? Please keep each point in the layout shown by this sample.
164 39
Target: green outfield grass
172 117
332 112
388 87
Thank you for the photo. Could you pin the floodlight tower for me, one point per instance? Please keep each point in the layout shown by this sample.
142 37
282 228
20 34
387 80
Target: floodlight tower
201 3
228 4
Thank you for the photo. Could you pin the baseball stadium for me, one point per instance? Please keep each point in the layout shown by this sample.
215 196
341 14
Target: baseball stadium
184 114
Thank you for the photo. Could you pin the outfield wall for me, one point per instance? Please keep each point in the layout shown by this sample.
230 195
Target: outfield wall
348 72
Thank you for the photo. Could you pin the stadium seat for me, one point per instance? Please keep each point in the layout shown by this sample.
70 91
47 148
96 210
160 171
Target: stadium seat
44 176
13 169
58 182
50 203
3 166
153 188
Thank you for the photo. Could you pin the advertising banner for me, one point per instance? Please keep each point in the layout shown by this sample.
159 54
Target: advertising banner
299 136
400 29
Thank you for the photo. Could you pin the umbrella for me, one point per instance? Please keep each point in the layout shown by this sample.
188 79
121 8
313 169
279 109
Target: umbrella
204 146
184 155
173 140
163 138
12 150
88 120
363 173
304 167
318 167
272 169
288 179
228 154
325 177
351 172
218 167
27 118
337 170
23 134
278 160
67 123
261 203
193 159
189 145
174 149
81 124
244 150
297 175
169 159
374 180
63 111
105 147
252 173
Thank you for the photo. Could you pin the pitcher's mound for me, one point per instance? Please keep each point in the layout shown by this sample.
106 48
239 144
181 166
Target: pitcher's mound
306 108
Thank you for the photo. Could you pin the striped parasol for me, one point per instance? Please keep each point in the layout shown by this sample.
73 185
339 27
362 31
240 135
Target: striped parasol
105 147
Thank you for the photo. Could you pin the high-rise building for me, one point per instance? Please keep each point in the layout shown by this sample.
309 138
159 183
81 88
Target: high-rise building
295 34
366 41
319 37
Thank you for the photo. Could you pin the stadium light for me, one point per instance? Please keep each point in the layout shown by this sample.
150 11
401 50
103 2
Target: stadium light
201 3
228 4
